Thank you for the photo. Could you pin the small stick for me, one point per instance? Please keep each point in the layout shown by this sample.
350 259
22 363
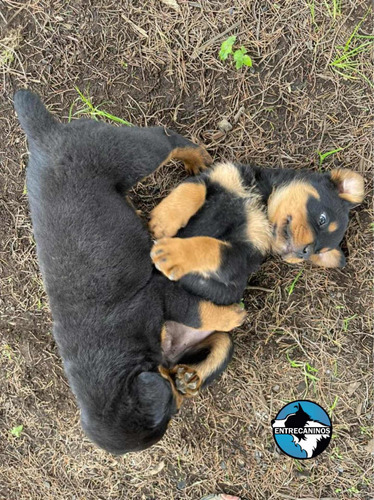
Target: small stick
268 290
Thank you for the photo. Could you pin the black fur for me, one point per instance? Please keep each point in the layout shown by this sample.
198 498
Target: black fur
222 217
108 303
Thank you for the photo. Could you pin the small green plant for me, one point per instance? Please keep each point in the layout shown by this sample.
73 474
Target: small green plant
366 430
346 62
336 453
7 351
333 406
323 156
353 489
8 49
240 56
307 370
290 288
16 431
346 322
334 8
93 111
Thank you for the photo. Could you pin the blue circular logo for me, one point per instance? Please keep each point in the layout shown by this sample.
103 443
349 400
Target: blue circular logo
302 429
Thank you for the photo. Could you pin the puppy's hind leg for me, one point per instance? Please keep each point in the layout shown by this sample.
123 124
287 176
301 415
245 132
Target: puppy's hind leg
202 363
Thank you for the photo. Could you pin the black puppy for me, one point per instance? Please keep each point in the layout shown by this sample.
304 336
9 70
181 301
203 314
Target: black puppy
109 306
227 219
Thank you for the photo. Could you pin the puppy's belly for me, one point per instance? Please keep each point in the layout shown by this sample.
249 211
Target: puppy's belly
180 337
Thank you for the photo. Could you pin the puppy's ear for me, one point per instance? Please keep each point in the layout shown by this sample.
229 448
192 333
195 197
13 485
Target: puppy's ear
350 185
332 258
155 398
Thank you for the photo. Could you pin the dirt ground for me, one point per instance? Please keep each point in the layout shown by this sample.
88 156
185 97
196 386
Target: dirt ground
156 63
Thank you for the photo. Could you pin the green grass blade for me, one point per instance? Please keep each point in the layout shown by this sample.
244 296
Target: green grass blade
290 289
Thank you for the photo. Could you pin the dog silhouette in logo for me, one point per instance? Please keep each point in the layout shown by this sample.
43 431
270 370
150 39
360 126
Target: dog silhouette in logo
312 444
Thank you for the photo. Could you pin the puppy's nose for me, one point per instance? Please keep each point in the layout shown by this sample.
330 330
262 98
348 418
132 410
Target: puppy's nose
306 252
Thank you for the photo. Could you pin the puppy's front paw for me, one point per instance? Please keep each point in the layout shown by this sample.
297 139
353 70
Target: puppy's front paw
187 381
162 223
169 257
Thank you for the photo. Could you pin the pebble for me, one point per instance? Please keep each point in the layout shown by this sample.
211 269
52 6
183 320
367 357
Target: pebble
224 125
301 387
275 388
181 485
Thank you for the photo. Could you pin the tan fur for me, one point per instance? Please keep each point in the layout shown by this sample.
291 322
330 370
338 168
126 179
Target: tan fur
291 200
224 318
165 373
219 345
163 334
228 176
176 209
350 184
258 228
291 259
176 257
194 159
326 259
333 226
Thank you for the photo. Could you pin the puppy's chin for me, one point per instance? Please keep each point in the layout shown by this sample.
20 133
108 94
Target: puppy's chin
291 258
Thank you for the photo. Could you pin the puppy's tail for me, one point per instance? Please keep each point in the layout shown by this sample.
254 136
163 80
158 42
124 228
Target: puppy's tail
35 119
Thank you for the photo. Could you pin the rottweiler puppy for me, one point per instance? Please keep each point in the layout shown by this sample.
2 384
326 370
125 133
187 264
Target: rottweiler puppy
216 229
112 312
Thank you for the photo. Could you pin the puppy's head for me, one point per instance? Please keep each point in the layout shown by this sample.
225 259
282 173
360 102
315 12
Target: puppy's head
136 417
310 216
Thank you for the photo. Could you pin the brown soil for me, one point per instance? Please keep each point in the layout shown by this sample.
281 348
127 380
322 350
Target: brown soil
155 65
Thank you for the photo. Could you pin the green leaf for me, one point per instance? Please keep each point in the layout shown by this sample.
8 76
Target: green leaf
241 59
226 47
16 431
247 61
323 156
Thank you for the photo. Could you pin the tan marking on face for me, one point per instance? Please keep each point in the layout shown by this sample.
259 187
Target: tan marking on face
224 318
258 227
165 373
324 250
333 226
176 257
194 159
176 209
291 201
219 345
350 184
327 259
228 176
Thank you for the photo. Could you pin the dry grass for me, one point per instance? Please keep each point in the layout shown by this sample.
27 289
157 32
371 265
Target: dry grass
158 65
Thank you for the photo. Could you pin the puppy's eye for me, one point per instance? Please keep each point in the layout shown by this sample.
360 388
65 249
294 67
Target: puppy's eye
322 219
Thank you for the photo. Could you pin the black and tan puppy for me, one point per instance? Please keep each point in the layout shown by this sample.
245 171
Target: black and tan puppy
109 305
227 219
